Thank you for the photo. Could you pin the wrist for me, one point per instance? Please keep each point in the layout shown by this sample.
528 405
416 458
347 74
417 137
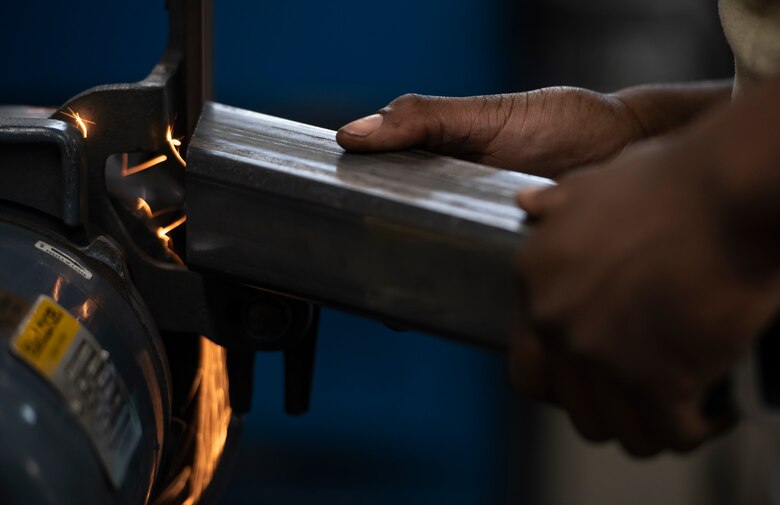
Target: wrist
661 108
742 156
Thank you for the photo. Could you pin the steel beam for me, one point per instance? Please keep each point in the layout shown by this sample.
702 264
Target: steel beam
424 241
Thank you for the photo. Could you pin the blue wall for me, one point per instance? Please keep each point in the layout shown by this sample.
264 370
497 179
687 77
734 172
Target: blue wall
331 60
53 49
396 417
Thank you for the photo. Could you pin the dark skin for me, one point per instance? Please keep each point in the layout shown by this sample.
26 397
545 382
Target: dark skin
544 132
652 266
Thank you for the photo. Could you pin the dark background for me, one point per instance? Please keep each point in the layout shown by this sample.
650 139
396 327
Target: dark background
396 417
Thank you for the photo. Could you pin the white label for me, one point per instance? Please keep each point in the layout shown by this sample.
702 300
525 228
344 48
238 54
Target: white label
68 260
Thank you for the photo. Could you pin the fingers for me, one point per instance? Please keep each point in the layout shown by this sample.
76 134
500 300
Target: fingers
686 425
603 407
540 201
528 366
363 127
453 126
578 391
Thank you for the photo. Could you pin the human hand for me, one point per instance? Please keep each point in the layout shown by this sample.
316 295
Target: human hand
637 306
543 132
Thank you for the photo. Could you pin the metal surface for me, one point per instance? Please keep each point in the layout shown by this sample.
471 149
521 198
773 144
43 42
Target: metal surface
42 166
198 59
413 238
133 118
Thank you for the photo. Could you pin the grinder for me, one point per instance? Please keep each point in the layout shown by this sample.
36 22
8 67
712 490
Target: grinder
85 388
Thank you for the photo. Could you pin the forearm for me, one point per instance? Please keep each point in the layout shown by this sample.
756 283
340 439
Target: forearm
741 148
660 108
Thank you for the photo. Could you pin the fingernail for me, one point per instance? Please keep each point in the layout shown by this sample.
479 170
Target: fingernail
363 126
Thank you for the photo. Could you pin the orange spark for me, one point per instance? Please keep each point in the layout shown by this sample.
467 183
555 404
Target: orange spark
176 487
210 426
56 291
142 205
163 232
142 166
81 123
212 416
85 310
174 144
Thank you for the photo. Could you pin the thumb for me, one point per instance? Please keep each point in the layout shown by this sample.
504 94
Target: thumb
538 201
454 126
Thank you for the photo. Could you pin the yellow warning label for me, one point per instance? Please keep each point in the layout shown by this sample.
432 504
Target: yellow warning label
46 336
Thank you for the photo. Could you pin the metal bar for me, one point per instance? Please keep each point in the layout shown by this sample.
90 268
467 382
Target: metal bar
407 237
198 61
